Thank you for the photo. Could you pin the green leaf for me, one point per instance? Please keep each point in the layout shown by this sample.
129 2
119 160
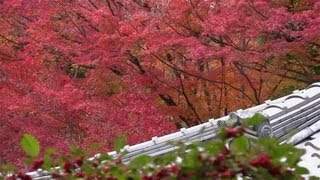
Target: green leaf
166 159
240 145
281 151
262 40
76 151
255 120
214 147
190 159
268 144
295 157
301 170
48 162
314 178
140 161
116 171
30 145
48 158
120 142
104 157
88 169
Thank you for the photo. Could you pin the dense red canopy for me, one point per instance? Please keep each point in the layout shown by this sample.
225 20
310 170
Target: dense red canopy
82 71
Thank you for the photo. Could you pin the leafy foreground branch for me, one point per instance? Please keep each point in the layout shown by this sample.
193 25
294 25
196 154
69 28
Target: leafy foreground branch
230 156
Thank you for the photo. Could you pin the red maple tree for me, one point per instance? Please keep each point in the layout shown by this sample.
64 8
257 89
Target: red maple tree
82 71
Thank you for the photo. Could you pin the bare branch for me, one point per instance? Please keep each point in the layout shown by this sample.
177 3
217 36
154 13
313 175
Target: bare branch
188 101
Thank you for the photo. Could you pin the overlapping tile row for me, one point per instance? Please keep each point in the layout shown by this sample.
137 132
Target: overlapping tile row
286 116
297 113
291 118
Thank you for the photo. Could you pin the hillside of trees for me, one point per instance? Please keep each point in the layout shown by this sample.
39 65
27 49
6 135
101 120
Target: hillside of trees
81 72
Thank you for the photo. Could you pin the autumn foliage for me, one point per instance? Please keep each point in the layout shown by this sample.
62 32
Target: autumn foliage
83 71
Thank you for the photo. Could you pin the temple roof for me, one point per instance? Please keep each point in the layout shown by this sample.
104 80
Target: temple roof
293 119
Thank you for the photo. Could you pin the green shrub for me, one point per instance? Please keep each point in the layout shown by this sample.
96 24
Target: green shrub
231 155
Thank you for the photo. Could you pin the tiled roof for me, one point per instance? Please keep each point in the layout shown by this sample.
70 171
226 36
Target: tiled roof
311 159
297 113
